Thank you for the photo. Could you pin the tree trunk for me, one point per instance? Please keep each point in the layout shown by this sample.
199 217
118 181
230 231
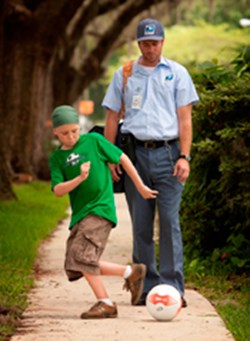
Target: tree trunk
26 101
6 191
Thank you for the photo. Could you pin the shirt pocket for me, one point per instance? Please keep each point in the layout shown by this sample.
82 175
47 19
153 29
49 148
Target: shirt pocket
135 87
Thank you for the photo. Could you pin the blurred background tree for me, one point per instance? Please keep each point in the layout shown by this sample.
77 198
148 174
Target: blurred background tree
212 11
49 53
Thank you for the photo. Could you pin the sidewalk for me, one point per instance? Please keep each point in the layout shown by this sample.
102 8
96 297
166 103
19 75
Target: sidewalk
56 304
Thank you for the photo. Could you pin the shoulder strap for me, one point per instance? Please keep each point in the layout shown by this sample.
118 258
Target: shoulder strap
126 72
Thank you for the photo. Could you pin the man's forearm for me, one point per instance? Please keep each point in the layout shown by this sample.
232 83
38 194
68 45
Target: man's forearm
185 140
111 126
185 128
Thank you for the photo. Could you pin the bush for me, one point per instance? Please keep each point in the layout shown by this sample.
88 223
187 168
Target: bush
216 200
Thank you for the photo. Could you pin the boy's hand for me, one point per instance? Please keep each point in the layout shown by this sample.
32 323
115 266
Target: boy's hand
85 167
147 193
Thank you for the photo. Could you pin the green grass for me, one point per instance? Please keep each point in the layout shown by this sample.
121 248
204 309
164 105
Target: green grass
24 223
230 295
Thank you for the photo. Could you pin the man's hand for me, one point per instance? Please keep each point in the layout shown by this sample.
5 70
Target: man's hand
85 168
182 170
115 172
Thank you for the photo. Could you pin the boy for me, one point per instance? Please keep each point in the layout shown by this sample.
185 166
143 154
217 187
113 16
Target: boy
80 168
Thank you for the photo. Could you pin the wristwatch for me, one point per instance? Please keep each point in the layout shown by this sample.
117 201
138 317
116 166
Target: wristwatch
185 156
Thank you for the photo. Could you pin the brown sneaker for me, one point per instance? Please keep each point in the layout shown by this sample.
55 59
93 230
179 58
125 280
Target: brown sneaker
100 310
134 283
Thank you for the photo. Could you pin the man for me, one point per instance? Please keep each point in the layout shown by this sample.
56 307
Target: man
158 101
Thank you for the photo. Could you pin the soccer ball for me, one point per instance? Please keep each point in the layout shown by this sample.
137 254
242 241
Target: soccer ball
163 302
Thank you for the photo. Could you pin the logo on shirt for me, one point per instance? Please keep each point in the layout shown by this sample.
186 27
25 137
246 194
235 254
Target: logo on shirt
149 29
169 77
73 159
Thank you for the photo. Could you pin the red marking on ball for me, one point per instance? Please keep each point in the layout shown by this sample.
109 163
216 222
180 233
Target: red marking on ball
164 299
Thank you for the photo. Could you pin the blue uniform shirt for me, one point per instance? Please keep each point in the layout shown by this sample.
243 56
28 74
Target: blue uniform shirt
151 99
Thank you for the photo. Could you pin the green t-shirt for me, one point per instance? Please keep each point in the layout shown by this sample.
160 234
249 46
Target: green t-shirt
95 194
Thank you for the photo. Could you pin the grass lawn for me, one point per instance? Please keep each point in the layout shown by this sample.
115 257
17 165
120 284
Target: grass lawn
24 224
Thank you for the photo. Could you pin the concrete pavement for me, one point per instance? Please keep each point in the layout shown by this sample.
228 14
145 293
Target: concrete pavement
55 304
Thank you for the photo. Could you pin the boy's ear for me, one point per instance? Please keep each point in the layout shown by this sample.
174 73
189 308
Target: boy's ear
54 131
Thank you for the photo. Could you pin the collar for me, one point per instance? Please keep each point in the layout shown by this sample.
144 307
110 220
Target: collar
138 68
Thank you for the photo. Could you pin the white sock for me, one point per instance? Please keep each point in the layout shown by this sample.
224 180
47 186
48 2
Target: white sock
107 301
127 272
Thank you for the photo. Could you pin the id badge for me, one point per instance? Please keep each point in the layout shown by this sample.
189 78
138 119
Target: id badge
136 102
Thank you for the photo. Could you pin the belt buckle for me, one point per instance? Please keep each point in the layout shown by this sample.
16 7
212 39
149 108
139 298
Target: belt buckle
150 144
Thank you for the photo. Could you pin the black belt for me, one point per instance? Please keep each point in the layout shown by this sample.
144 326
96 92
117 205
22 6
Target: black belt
151 144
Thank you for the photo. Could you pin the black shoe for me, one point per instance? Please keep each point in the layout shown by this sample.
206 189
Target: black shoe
184 302
142 300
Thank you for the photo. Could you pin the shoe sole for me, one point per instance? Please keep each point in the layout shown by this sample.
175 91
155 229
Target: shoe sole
143 274
98 317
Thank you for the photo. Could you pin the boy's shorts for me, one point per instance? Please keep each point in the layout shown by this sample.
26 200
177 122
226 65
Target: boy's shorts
85 246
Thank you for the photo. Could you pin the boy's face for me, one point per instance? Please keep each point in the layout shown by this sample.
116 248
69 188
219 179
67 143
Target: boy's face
68 134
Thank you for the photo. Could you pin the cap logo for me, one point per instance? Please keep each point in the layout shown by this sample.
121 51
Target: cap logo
149 30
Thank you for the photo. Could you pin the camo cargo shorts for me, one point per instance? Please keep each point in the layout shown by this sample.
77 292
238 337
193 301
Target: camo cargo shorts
85 246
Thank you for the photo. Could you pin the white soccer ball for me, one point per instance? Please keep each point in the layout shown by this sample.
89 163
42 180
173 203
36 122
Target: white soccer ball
163 302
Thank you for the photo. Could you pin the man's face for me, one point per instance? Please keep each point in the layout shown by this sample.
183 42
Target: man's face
68 135
151 51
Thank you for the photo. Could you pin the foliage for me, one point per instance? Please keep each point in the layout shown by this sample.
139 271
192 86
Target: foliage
215 11
216 201
24 224
200 42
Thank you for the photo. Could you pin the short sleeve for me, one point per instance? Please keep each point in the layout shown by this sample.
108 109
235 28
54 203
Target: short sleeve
113 97
55 171
185 89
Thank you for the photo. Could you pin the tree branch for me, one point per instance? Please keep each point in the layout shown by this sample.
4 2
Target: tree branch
93 61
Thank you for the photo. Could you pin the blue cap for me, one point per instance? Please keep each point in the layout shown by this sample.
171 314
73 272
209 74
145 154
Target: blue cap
150 29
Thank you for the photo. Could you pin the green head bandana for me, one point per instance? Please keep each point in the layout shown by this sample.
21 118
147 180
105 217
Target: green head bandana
64 114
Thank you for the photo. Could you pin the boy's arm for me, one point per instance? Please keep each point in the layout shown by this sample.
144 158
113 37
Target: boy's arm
145 191
67 186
